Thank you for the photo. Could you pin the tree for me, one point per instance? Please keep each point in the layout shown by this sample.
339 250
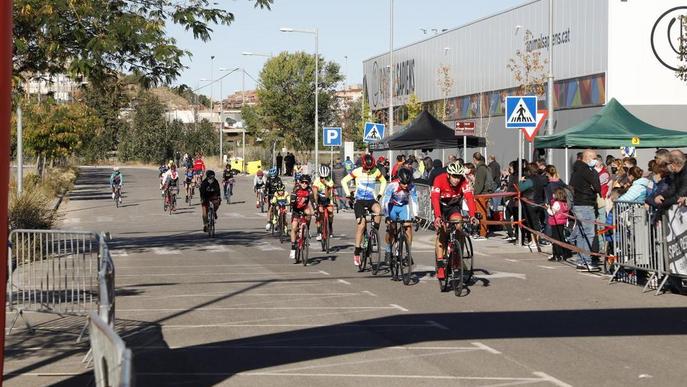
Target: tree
106 101
286 107
528 70
100 38
413 108
446 84
353 121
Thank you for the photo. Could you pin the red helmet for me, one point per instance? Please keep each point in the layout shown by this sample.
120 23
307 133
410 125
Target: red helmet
381 160
368 161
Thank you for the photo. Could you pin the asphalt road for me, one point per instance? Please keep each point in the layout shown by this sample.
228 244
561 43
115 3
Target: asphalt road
234 310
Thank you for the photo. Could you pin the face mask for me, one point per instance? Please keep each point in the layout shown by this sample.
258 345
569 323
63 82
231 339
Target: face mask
211 180
592 163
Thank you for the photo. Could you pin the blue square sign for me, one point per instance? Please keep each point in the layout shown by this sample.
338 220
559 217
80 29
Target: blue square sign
373 132
331 136
521 112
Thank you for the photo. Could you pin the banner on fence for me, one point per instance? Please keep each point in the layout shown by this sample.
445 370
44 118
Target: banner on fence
676 240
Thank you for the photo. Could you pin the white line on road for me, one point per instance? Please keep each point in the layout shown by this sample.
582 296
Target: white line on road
485 347
402 309
343 282
369 293
547 267
324 272
378 376
511 260
437 325
72 220
104 219
551 379
308 347
165 251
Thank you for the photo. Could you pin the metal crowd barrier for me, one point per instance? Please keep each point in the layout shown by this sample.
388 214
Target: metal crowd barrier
638 241
675 232
424 203
112 361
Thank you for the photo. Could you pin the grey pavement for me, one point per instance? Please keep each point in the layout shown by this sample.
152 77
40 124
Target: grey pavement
234 310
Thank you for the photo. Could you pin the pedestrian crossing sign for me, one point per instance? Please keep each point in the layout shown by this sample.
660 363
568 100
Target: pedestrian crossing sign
373 132
521 112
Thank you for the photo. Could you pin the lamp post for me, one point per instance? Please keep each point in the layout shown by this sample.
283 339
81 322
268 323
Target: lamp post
195 95
317 89
549 97
391 72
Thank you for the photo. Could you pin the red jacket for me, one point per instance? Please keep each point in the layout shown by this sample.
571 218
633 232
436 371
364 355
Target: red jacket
198 165
444 192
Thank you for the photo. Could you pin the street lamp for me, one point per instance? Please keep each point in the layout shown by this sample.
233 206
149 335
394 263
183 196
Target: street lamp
221 115
317 90
249 53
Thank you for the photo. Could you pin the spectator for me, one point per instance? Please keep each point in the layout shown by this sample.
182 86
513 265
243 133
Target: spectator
677 189
661 178
555 182
629 162
609 160
280 163
579 156
289 161
338 173
495 169
348 164
610 211
380 165
605 184
427 161
437 169
400 160
511 214
453 159
481 187
532 189
640 186
621 180
558 211
586 187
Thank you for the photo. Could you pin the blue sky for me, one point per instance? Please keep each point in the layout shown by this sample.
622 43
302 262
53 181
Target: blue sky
357 29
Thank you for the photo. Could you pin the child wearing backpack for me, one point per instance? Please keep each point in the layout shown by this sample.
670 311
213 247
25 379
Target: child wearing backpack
558 210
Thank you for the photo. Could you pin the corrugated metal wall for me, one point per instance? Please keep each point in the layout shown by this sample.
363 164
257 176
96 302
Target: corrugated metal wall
478 53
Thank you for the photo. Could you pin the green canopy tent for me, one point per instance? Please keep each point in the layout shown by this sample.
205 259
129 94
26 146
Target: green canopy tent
613 127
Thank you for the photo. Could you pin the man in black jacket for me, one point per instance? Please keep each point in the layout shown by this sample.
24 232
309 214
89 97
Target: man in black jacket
586 187
209 192
677 190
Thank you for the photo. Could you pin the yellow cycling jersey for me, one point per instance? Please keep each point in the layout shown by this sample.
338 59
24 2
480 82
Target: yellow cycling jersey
323 187
281 199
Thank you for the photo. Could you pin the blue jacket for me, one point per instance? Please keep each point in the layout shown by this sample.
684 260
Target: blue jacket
638 191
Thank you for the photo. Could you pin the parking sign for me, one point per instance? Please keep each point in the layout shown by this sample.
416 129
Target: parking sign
331 136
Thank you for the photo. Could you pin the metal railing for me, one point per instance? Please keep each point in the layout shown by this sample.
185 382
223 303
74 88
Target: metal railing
112 361
638 241
424 203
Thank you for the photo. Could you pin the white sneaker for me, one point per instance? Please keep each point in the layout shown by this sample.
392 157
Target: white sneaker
112 195
292 254
318 237
267 227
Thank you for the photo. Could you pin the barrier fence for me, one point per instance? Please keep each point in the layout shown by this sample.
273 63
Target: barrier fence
112 361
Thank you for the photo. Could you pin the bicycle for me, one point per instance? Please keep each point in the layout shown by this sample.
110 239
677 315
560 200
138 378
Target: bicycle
281 223
302 240
118 195
211 219
325 228
401 265
262 198
228 189
370 245
171 198
459 268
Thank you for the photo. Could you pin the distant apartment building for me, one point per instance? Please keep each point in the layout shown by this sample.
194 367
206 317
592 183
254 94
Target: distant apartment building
239 98
60 87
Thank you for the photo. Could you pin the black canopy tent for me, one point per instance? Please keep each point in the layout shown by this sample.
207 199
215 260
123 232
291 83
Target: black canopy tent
426 132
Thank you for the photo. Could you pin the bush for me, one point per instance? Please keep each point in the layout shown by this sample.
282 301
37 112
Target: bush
30 210
59 180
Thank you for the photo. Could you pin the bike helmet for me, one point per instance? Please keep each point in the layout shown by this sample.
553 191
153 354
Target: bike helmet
381 160
324 171
455 168
116 169
210 174
405 176
272 172
368 162
305 178
170 163
280 187
259 173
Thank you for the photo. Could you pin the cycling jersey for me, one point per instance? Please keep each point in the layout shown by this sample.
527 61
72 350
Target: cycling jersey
395 196
189 175
227 174
116 179
271 185
300 198
258 181
445 195
325 190
170 178
198 166
365 182
281 200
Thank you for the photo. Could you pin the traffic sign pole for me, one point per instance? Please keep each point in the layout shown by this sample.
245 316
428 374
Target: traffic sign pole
520 150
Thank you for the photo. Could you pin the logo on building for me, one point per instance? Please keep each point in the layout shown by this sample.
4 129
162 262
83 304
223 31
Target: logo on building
404 81
666 38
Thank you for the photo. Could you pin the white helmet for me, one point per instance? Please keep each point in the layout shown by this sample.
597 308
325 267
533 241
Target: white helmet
455 168
324 171
115 169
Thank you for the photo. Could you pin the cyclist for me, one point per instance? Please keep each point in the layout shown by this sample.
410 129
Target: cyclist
366 177
198 168
116 181
270 188
188 181
258 184
279 200
209 191
228 180
301 204
297 173
400 203
449 191
170 182
323 191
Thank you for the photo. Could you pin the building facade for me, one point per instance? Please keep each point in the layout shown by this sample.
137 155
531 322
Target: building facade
602 49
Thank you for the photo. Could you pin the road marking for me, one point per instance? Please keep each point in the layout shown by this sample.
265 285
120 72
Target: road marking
324 272
247 295
306 347
503 274
485 347
547 267
234 215
72 220
369 293
380 376
266 246
418 268
402 309
165 251
436 324
511 260
217 249
119 253
549 378
344 282
104 219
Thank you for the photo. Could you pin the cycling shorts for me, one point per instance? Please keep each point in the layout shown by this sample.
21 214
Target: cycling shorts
451 212
361 205
398 213
189 180
198 172
324 202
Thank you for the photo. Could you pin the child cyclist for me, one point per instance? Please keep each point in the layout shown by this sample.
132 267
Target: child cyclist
323 191
399 203
279 200
301 204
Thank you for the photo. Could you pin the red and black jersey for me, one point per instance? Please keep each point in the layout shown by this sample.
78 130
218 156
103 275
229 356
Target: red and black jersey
444 194
198 165
301 198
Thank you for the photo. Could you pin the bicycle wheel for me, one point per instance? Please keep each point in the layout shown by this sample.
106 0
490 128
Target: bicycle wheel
405 262
324 232
262 202
364 253
467 246
374 250
282 224
305 244
458 271
445 283
116 199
